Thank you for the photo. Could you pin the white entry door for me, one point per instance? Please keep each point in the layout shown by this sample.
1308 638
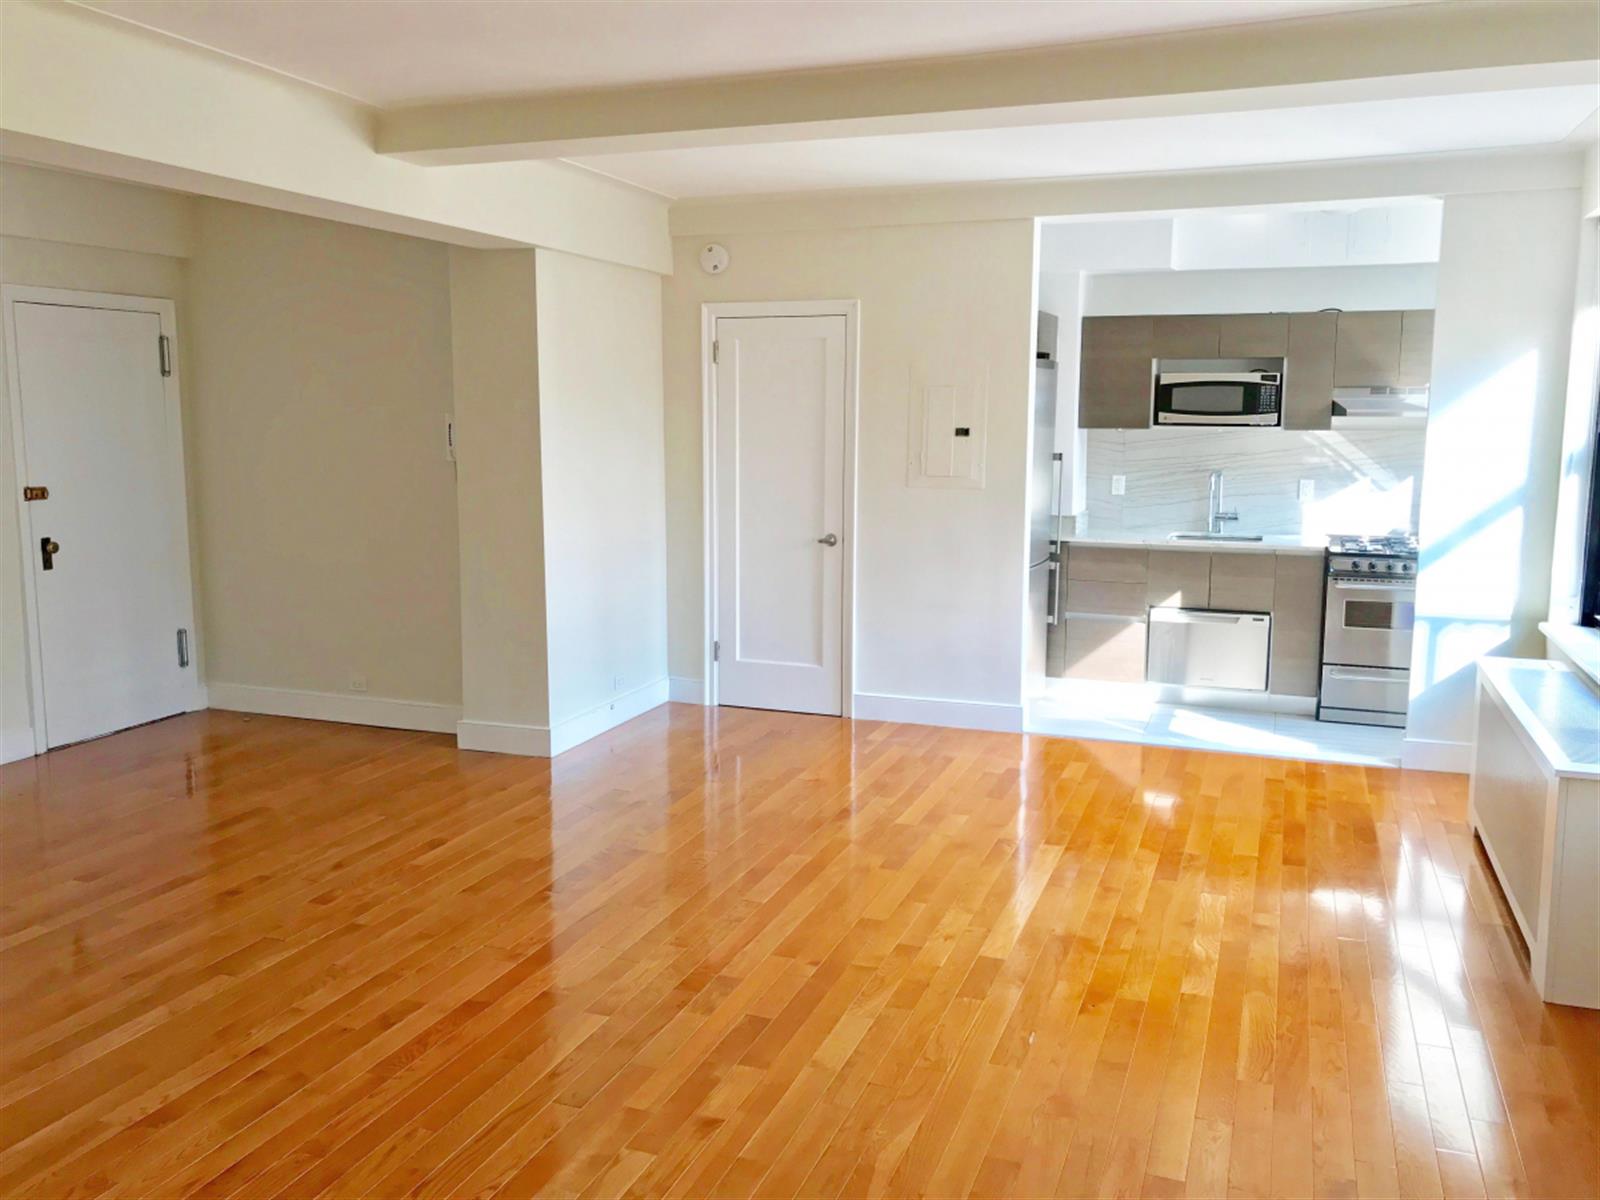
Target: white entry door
108 549
780 425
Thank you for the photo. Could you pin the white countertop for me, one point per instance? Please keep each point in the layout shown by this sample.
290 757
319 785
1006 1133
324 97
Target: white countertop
1556 709
1272 543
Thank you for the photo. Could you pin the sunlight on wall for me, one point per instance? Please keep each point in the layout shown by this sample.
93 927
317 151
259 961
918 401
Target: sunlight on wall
1474 515
1362 507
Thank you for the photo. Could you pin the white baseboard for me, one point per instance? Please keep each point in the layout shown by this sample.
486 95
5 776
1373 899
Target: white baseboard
1425 754
574 731
496 737
683 690
542 741
16 744
954 714
332 706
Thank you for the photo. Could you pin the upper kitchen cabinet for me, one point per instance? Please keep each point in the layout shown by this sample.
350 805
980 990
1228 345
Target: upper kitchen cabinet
1186 337
1308 370
1384 349
1254 335
1115 373
1416 347
1369 350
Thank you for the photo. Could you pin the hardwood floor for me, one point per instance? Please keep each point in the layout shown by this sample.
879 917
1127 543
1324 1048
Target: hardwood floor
740 953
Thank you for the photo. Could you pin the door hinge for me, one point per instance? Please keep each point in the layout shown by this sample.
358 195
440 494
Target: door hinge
716 352
183 647
164 353
716 651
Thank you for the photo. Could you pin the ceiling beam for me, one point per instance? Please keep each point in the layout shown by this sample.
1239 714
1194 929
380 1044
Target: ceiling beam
1421 49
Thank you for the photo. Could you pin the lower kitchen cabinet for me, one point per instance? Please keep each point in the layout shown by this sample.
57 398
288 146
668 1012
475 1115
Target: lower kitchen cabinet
1242 582
1295 664
1103 647
1178 579
1110 590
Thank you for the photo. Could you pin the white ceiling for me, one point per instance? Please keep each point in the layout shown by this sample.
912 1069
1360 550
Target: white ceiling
397 52
1364 129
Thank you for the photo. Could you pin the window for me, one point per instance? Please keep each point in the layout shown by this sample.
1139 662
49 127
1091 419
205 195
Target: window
1589 601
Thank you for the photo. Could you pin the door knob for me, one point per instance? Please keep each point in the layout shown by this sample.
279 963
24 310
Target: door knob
828 539
48 549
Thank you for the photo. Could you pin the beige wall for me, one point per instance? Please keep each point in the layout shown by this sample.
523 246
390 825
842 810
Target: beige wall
600 416
321 382
939 573
504 660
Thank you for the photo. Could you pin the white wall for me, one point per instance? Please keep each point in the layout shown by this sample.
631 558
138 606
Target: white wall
602 455
326 507
1578 449
1288 289
1507 277
939 572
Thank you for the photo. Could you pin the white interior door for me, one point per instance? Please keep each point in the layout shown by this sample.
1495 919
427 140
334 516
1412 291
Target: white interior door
97 431
780 404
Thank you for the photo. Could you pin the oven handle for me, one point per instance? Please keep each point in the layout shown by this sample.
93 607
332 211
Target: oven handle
1351 586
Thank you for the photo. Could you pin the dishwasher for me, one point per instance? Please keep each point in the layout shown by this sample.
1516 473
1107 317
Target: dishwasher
1196 647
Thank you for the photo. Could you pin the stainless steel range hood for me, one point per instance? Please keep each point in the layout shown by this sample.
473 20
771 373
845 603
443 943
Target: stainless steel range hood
1380 408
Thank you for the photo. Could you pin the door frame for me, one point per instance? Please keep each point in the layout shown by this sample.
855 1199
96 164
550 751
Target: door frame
177 481
850 310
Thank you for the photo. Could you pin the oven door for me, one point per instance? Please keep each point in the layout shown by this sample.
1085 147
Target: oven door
1191 398
1369 624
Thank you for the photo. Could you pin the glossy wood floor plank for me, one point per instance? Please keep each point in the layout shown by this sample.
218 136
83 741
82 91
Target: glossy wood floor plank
732 953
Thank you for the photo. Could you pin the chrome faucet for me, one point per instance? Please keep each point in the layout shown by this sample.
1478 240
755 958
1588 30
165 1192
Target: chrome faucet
1215 515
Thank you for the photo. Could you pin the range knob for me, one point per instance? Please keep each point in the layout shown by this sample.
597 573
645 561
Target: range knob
1371 566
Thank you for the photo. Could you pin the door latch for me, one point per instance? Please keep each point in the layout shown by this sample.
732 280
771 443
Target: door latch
48 549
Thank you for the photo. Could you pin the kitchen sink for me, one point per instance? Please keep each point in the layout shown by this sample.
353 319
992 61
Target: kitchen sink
1214 537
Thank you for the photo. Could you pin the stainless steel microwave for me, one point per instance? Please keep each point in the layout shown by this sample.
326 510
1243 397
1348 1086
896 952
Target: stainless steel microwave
1218 397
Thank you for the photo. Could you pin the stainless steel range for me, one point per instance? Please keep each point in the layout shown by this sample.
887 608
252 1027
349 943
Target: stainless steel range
1366 629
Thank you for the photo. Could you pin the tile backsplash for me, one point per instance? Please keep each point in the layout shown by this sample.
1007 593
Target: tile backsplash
1365 481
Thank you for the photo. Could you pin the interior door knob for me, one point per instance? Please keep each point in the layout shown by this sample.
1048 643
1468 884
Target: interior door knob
48 549
828 539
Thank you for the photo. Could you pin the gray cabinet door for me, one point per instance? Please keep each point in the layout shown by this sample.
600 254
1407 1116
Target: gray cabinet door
1254 335
1368 353
1116 372
1416 347
1186 337
1178 579
1296 657
1308 370
1106 648
1242 582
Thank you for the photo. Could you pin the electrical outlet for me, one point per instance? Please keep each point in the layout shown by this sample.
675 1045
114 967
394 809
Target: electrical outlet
358 681
1119 485
1308 490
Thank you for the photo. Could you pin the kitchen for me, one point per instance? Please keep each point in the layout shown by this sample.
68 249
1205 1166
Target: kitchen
1239 419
